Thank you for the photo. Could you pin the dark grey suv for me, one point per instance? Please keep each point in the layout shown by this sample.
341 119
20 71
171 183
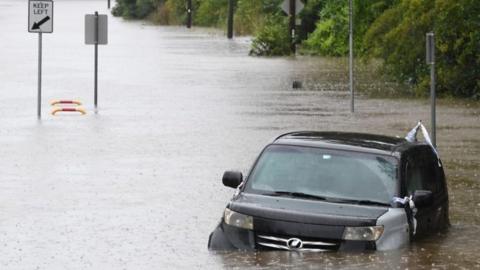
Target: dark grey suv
318 191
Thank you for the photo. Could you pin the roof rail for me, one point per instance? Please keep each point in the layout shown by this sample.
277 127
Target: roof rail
290 133
284 134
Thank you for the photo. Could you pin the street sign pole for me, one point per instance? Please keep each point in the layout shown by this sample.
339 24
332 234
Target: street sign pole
96 62
292 8
292 12
108 4
231 4
96 33
40 20
350 60
39 96
431 61
189 13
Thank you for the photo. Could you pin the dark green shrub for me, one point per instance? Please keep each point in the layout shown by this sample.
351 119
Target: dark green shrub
143 8
272 39
133 9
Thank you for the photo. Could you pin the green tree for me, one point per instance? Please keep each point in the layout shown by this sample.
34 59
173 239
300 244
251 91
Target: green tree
330 37
398 37
457 27
212 13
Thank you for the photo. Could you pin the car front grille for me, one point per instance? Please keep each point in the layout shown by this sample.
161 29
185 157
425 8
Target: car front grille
295 243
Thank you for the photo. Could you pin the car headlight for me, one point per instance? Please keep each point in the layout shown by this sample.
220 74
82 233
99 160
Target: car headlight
363 233
233 218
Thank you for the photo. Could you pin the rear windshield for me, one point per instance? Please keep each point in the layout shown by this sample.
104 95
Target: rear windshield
324 173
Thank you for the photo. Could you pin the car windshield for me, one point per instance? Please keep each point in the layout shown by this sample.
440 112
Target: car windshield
341 176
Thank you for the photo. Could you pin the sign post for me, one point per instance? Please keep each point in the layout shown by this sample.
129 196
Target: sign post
291 23
96 33
350 57
431 61
40 20
39 83
189 13
292 8
231 7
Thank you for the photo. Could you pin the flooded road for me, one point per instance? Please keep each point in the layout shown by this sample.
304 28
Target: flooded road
138 185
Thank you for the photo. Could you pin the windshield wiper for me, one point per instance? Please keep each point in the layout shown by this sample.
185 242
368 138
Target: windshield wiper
296 195
362 202
322 198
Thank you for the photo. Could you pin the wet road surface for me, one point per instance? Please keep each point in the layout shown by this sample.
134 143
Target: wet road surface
138 185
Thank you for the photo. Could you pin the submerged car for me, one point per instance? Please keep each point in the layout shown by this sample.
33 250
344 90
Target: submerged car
322 191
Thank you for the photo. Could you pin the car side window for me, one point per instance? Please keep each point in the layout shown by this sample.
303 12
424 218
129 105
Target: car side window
421 172
414 178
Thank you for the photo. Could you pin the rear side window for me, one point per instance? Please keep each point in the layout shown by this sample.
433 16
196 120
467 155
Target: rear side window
423 173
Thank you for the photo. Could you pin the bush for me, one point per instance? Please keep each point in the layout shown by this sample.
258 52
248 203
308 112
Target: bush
273 38
168 12
133 9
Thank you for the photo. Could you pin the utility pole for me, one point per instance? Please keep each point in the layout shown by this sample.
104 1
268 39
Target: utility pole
350 60
189 13
292 26
431 61
231 4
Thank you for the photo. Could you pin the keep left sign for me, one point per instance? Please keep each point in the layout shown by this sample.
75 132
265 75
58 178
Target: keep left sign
40 16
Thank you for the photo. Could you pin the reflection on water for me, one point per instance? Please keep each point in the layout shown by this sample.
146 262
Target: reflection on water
138 186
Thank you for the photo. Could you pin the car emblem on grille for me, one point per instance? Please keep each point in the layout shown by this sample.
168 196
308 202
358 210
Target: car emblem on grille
294 243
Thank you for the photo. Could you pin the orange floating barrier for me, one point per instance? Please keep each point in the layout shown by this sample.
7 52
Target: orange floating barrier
76 109
74 102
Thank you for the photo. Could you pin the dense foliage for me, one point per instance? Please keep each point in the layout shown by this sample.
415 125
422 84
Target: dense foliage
398 37
390 30
133 9
272 39
250 15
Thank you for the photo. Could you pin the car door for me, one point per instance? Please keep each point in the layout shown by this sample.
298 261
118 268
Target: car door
421 174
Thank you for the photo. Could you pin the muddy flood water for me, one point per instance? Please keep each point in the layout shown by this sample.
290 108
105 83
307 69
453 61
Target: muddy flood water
138 185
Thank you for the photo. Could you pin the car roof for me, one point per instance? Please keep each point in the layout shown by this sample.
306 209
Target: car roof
360 142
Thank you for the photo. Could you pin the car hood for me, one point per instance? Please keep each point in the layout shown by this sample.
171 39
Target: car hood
306 210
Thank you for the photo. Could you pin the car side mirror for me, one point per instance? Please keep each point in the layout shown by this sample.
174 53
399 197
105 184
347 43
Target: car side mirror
422 198
232 179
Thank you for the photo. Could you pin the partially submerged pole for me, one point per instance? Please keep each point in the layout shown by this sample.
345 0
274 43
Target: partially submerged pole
96 62
189 13
291 27
231 4
39 94
350 58
431 61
